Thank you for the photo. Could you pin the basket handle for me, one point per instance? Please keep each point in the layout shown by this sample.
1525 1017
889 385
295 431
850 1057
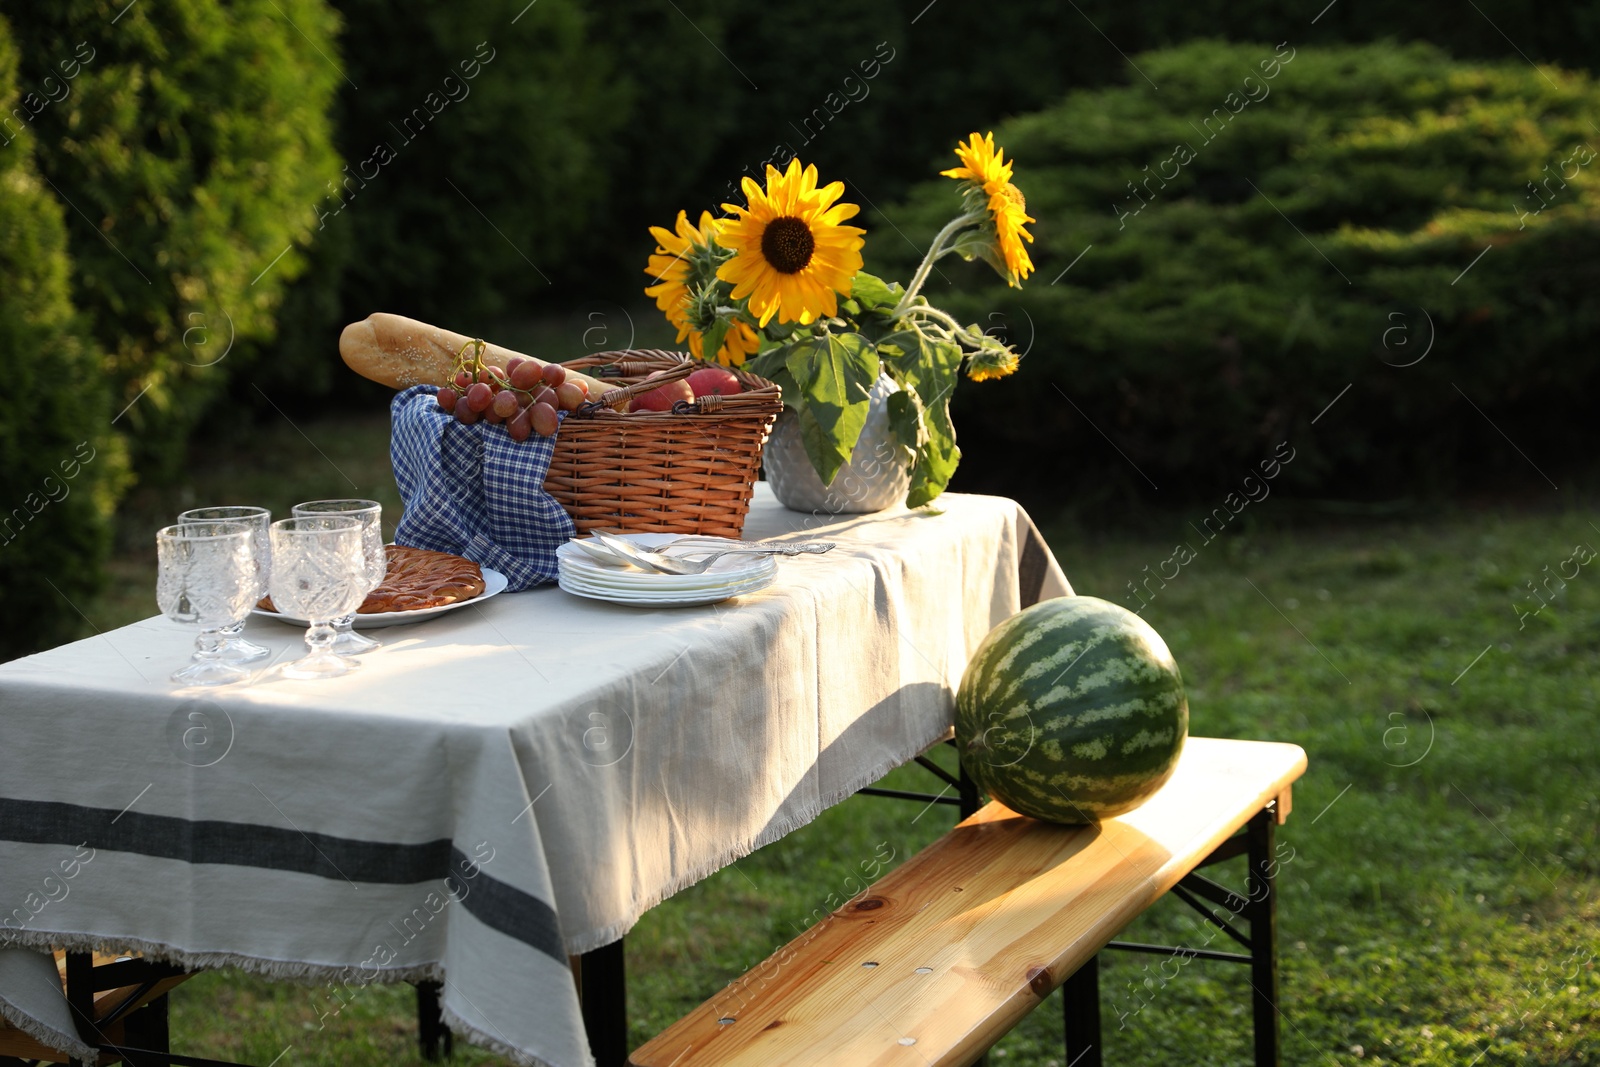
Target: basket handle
629 363
613 397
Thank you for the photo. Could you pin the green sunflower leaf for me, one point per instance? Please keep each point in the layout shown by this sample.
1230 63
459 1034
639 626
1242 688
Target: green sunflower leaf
711 343
832 376
871 292
905 418
900 344
933 376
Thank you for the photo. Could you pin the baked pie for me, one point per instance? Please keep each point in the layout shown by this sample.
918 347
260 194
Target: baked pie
418 578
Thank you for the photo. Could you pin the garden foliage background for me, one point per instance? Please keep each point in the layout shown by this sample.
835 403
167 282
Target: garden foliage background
196 195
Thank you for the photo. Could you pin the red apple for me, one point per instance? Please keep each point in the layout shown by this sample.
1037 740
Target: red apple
662 397
714 381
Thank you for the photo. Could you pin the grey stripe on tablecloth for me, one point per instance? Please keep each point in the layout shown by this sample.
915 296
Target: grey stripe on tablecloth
503 907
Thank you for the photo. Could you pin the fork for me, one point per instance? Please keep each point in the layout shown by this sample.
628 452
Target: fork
674 565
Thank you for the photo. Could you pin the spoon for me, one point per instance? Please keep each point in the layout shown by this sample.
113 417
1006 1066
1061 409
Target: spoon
673 565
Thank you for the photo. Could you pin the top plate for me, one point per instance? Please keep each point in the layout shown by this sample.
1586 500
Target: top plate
493 582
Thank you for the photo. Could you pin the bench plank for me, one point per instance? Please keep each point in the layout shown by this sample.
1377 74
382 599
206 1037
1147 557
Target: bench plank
945 954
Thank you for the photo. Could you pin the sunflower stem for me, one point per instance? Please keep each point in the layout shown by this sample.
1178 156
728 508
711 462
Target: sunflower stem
935 250
943 318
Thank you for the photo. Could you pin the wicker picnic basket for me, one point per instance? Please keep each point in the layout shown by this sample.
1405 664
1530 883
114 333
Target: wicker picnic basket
687 471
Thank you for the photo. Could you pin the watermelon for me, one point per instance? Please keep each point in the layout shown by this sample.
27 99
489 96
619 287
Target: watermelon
1071 711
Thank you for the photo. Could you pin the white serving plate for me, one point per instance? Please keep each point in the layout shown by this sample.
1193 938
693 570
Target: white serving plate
661 599
493 582
583 581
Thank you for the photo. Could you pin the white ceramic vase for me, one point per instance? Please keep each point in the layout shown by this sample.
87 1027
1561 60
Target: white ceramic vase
875 477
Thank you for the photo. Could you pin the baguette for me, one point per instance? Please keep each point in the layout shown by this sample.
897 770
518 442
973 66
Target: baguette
402 352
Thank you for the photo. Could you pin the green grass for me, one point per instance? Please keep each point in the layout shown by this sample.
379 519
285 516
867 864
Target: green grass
1442 906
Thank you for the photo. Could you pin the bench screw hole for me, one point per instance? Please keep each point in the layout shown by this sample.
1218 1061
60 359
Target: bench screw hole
924 970
870 963
908 1041
725 1020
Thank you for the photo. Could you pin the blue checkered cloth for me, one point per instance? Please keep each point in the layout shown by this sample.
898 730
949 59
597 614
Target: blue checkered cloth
474 491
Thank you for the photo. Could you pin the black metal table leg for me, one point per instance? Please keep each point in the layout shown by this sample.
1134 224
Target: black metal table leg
603 988
433 1036
80 997
1080 1008
1263 914
967 790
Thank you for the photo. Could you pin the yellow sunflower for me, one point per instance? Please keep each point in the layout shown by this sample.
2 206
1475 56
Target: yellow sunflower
670 265
989 363
986 168
792 257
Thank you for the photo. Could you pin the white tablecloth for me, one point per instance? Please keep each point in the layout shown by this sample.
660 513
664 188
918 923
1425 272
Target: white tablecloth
495 788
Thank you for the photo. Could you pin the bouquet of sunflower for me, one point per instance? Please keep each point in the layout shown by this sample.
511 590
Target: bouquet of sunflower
779 281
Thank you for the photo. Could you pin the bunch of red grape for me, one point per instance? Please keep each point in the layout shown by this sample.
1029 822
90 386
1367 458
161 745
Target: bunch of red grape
524 394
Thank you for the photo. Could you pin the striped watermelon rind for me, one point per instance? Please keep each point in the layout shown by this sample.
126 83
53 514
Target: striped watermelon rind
1071 711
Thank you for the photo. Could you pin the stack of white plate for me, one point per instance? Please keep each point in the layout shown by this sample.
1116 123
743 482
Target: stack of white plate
729 576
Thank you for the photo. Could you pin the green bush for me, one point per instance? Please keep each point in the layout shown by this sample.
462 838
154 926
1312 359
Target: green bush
1251 246
594 123
479 155
190 140
493 128
59 464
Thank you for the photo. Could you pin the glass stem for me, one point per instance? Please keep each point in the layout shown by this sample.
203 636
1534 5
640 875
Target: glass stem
319 637
209 644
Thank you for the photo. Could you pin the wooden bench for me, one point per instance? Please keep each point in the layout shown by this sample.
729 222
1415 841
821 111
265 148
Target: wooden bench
943 956
117 1000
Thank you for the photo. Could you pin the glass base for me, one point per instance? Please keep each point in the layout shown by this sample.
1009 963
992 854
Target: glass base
239 650
350 643
319 664
210 672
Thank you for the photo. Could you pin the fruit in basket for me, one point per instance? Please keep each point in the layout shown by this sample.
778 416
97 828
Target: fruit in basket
714 381
554 374
1071 711
569 395
662 397
479 397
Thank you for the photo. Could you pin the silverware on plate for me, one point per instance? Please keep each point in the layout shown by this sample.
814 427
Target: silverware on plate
619 548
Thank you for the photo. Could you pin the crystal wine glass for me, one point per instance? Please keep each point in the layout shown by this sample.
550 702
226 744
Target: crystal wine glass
319 573
370 512
207 576
235 648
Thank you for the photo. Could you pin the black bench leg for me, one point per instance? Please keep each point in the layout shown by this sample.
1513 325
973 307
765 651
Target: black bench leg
433 1036
148 1029
603 988
1080 1004
1263 915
